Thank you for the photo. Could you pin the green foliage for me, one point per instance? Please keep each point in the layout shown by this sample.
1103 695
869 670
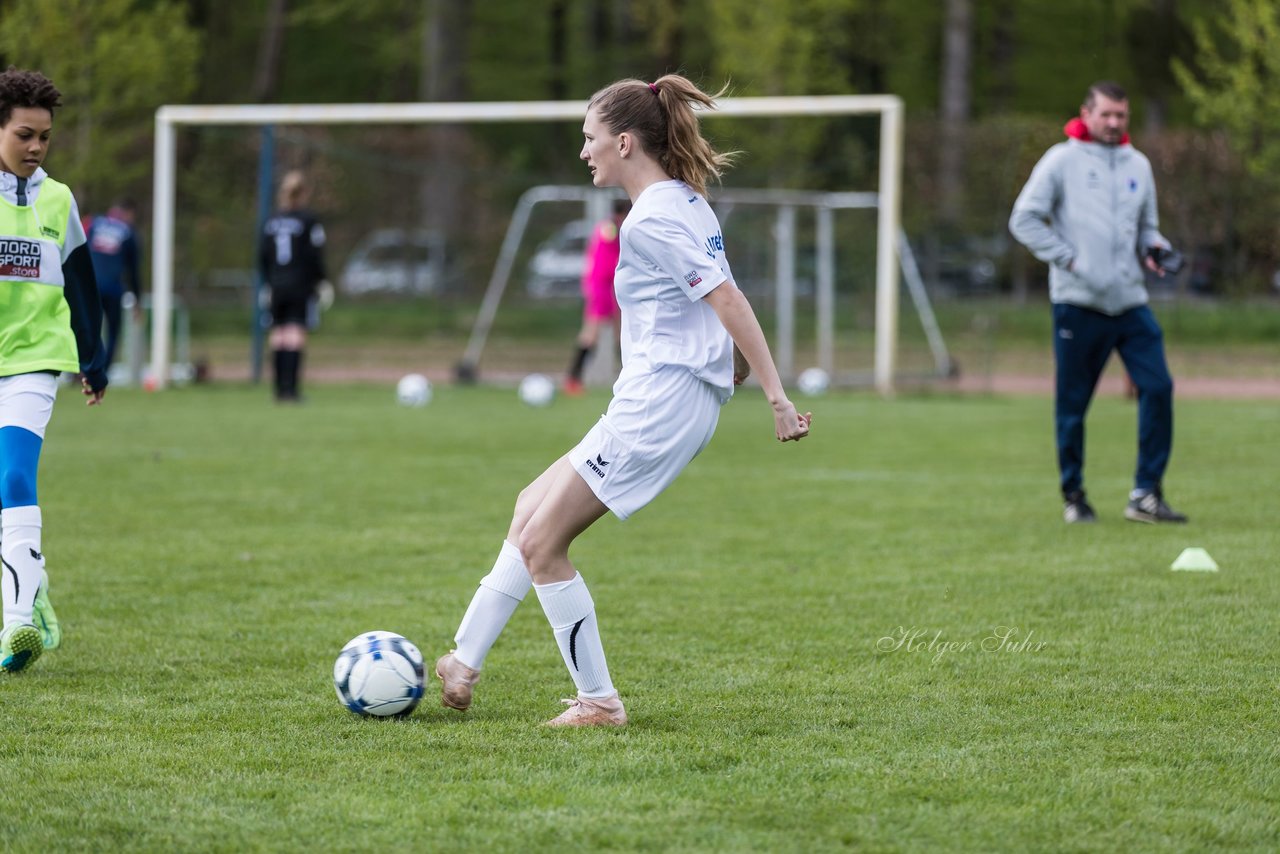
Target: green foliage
210 553
115 62
1235 85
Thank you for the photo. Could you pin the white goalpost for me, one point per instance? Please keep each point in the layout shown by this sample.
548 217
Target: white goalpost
169 118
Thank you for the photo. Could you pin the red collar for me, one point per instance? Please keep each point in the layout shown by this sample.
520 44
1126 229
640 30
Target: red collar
1076 129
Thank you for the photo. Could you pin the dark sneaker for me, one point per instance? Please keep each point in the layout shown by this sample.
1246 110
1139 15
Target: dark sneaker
1149 507
1076 509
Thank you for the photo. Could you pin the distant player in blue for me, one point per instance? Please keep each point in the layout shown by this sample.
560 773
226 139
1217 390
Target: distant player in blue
113 246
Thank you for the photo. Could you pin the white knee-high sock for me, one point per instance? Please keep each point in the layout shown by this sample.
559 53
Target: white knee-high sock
500 592
572 614
20 550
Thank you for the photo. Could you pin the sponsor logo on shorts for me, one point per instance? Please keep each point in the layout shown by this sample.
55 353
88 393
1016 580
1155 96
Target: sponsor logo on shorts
597 465
693 279
20 258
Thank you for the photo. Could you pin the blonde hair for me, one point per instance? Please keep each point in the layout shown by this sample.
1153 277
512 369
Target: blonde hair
661 116
293 190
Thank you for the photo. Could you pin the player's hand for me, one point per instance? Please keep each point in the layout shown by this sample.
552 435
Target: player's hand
789 425
741 370
1150 264
325 294
95 397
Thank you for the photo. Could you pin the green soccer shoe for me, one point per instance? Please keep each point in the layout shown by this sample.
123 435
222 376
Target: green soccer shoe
20 646
44 617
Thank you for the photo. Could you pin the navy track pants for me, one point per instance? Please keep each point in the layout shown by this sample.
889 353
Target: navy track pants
1082 341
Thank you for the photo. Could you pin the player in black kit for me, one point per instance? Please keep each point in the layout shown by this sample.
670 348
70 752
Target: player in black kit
291 259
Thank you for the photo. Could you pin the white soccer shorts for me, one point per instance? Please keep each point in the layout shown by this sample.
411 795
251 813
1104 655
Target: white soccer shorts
651 431
26 401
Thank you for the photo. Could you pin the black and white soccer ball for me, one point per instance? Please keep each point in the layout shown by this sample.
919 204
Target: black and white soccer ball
380 674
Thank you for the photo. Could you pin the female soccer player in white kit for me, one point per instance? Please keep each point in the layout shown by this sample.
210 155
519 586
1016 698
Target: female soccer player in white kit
682 316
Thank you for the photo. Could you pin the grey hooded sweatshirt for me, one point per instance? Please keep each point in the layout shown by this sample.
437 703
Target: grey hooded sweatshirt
1090 207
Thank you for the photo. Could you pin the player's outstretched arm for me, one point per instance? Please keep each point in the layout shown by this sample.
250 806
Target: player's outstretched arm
735 312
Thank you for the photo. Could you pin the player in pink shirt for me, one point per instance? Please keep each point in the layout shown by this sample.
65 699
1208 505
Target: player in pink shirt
600 306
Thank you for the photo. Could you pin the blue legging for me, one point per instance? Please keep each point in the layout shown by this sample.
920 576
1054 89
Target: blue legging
19 460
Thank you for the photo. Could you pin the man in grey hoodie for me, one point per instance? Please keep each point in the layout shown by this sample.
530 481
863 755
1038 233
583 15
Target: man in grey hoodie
1089 211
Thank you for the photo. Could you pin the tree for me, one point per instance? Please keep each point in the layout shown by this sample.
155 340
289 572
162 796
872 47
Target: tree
115 62
957 57
1237 86
267 76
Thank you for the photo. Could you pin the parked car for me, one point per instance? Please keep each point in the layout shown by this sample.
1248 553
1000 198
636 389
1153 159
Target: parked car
962 264
555 270
396 261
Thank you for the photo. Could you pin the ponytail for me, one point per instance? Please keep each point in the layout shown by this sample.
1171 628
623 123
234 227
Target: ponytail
662 116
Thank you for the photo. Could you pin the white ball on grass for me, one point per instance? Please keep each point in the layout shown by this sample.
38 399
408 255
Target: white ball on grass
537 390
413 390
813 381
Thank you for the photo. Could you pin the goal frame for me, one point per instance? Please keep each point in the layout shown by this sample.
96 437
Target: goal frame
170 117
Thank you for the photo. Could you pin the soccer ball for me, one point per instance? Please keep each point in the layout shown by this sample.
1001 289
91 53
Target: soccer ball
813 381
537 390
379 674
413 390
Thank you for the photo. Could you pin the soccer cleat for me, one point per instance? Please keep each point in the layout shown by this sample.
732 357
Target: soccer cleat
1149 507
20 646
458 680
573 387
45 619
592 711
1075 509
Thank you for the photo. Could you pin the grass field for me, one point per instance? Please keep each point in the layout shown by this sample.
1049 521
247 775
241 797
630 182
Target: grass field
210 553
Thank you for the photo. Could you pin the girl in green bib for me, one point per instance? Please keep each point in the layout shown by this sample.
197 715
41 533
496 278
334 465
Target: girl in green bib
50 322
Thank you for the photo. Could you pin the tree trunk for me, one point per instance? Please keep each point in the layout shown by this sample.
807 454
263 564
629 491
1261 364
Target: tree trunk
559 13
266 77
444 55
957 59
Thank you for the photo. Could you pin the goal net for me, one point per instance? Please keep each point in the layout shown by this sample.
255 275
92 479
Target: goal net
812 214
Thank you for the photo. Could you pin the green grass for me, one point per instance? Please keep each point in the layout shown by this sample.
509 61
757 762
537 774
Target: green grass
210 553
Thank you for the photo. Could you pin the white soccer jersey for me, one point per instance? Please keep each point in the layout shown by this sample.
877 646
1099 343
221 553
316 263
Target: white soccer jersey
672 255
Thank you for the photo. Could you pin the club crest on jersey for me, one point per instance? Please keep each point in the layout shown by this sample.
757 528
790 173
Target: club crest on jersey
693 279
19 258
